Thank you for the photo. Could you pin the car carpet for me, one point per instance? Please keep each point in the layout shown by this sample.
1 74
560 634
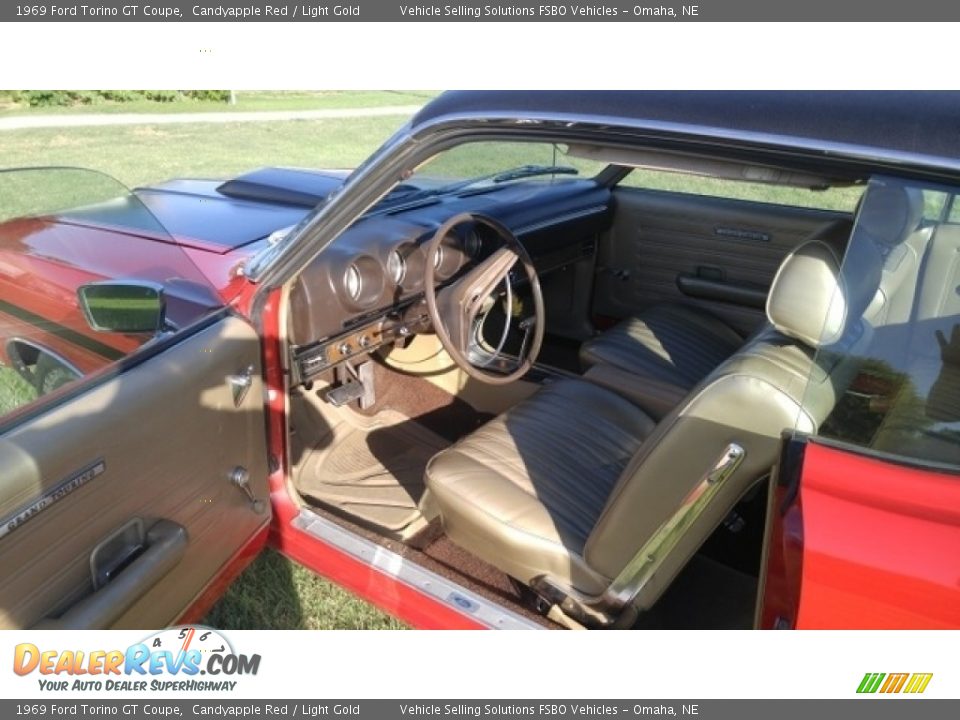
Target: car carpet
424 403
443 557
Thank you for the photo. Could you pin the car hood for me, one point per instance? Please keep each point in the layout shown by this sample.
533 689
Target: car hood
220 216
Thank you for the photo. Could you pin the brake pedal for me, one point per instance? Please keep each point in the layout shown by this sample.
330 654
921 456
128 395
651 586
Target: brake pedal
344 394
358 385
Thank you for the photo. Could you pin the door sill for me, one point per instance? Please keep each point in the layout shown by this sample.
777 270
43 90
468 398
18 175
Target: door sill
438 589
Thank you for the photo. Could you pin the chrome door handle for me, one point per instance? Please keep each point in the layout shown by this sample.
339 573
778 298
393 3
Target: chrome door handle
240 385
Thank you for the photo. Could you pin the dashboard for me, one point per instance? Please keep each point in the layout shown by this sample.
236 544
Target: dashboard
366 288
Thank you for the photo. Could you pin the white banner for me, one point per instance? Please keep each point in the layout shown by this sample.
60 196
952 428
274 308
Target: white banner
208 664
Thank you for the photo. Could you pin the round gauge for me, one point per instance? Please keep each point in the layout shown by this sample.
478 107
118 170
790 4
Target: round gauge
471 244
396 267
353 282
438 257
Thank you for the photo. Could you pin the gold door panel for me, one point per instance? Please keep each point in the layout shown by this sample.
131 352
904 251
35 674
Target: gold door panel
149 452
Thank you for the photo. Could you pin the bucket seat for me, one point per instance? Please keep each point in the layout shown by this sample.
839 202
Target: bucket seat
581 495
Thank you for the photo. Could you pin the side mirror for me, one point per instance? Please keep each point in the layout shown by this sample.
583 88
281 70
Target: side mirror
130 306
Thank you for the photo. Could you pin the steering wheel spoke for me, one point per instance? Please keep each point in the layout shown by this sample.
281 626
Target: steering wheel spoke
455 309
461 302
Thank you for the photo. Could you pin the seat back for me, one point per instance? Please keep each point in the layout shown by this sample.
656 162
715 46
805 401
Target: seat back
772 384
891 216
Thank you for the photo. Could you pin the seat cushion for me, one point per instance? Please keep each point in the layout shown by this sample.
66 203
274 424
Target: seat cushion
676 344
524 491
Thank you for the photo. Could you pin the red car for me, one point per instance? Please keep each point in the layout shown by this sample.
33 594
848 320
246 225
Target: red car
557 359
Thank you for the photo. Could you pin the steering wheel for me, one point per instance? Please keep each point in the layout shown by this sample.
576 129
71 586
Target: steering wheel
457 309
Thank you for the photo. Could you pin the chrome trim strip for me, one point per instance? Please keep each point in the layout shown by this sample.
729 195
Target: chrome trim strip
414 144
578 215
620 128
648 560
58 492
424 581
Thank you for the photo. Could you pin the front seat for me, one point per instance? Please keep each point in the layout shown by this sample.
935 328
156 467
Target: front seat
578 494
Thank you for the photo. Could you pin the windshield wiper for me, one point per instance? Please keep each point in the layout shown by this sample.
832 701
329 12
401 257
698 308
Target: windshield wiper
525 171
502 176
517 173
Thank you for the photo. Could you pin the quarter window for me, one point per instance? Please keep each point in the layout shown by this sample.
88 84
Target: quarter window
898 371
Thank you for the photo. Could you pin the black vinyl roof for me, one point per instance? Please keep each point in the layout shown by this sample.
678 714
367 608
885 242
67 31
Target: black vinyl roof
918 122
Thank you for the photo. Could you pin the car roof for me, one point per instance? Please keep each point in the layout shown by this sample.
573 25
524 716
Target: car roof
925 123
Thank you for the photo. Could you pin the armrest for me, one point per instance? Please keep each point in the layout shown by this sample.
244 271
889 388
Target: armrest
753 296
655 397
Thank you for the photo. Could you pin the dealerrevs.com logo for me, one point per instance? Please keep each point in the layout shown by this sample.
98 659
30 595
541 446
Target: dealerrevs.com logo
890 683
179 659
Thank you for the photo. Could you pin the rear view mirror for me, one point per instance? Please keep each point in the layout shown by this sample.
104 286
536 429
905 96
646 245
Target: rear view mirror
123 306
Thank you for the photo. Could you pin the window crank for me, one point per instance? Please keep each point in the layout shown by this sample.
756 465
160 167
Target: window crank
240 478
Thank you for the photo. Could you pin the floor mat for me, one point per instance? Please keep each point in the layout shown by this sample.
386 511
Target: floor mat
372 471
706 595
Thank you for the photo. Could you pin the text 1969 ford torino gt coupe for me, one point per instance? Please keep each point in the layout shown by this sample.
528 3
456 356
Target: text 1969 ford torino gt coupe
632 360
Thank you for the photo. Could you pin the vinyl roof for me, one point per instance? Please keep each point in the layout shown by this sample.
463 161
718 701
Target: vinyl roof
918 122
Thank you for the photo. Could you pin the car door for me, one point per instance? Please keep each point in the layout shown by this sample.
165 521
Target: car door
129 486
713 243
863 526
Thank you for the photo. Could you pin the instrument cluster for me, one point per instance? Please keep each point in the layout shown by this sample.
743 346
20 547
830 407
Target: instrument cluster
379 264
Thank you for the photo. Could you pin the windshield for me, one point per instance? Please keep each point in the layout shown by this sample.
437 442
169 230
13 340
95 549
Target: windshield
480 165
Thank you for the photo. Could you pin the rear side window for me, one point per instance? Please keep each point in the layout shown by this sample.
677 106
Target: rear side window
834 198
897 372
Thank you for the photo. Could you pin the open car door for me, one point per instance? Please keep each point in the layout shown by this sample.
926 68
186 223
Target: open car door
864 518
133 466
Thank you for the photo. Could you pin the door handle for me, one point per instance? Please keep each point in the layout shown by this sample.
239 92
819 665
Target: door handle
621 274
240 385
166 544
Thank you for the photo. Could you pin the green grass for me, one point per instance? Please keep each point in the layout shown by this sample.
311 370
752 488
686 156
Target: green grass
14 390
247 101
138 154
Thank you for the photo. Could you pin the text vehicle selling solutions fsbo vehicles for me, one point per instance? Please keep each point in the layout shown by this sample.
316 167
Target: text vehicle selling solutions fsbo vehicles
550 359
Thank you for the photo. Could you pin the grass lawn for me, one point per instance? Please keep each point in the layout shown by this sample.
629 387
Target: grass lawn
137 154
14 390
276 594
247 100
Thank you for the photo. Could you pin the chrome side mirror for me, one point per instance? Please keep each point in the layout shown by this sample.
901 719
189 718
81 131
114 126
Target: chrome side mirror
123 306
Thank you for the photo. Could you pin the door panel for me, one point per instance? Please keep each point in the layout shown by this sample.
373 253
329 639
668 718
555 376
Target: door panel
661 241
157 442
